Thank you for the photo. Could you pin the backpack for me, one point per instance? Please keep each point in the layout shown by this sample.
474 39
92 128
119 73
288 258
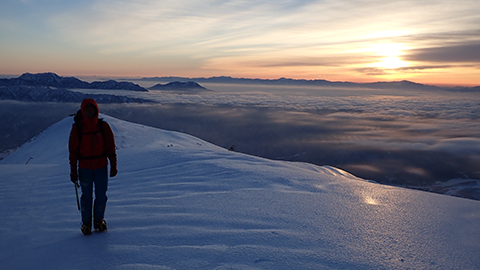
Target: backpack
77 118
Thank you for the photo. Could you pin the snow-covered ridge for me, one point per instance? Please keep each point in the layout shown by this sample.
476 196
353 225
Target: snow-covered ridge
47 94
181 203
49 87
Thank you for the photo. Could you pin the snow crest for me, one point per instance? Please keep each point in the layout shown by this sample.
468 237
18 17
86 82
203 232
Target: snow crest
182 203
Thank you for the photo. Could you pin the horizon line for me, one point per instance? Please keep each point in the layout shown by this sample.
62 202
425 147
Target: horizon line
138 77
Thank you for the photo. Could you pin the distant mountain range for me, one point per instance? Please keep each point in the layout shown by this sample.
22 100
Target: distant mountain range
184 83
285 81
189 85
53 80
49 87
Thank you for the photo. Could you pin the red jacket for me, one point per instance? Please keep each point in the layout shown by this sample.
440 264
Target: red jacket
94 148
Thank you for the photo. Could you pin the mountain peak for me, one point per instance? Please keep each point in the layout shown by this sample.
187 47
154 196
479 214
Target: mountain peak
50 79
40 77
177 85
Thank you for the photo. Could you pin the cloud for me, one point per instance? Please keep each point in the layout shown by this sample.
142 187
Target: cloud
409 136
203 25
373 71
466 146
461 53
396 147
140 25
289 38
326 61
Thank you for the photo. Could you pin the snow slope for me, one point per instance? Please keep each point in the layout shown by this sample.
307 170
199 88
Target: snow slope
181 203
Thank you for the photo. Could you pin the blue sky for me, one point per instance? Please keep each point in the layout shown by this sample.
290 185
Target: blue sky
435 42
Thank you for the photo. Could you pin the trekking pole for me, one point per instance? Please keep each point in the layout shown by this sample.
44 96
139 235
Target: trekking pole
76 192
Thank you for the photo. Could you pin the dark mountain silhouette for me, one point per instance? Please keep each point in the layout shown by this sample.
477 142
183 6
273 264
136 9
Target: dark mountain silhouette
317 82
53 80
190 85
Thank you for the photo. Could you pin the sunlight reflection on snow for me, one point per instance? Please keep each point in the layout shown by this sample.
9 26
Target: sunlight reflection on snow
370 200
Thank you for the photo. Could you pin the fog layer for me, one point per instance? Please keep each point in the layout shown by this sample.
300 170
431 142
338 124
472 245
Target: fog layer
402 137
411 151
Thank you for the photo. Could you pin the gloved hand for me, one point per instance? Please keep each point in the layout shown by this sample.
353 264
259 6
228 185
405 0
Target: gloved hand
74 176
113 170
113 165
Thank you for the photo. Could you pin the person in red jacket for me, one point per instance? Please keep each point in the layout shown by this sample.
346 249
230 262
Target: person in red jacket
90 146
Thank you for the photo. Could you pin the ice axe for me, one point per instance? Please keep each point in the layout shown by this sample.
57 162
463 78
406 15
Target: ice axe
76 193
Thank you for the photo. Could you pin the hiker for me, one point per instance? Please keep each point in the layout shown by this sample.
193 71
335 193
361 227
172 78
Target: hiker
91 143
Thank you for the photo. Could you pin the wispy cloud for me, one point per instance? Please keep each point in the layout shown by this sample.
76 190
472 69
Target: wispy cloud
460 53
373 71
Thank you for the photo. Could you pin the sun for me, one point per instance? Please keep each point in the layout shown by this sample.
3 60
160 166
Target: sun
390 56
391 62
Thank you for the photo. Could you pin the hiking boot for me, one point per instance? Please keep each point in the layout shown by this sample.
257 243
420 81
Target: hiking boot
100 226
86 229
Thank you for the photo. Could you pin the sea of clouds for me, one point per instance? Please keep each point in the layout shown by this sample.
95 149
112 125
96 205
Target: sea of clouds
401 136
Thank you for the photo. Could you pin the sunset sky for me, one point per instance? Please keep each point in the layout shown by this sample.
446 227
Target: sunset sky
432 42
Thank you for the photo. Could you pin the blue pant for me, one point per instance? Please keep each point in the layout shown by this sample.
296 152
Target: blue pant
89 178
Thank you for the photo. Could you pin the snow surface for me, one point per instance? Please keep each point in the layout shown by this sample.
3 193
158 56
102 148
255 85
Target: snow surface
181 203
